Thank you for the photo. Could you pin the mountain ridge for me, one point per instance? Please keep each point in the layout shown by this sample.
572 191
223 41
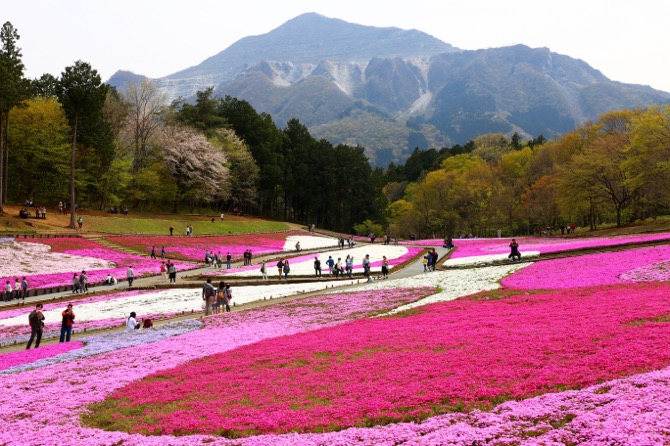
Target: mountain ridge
387 89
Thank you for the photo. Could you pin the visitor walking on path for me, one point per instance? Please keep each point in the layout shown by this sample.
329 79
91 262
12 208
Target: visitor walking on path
220 297
80 222
36 320
83 282
286 269
366 265
228 259
24 288
8 292
75 284
229 297
280 268
317 267
264 270
130 274
172 272
514 251
153 252
349 265
163 272
385 268
208 295
17 288
66 325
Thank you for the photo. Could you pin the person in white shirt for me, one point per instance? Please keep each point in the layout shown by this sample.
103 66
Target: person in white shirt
131 276
131 323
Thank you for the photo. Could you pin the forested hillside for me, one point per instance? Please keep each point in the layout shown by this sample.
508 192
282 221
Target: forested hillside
611 171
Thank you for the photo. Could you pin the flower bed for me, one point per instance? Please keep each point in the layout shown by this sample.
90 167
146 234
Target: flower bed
103 343
14 359
80 252
304 265
544 245
111 310
448 357
635 265
91 379
194 248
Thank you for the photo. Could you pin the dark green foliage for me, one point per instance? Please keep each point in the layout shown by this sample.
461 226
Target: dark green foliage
45 86
300 178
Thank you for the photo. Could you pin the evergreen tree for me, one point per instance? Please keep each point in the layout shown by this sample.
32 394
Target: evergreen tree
82 95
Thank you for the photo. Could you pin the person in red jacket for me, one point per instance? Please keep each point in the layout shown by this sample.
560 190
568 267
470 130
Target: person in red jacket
66 326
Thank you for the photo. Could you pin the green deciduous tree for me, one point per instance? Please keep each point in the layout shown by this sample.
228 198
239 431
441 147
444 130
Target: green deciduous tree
39 138
14 88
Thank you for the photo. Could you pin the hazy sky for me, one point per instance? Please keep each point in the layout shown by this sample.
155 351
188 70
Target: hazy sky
627 41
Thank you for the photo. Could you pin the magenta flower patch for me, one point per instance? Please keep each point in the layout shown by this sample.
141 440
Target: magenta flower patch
545 245
635 265
194 248
456 356
13 359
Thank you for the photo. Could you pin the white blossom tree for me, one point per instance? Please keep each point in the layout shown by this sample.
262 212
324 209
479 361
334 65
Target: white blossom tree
198 168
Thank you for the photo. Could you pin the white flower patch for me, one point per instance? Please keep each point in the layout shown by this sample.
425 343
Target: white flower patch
309 242
452 284
28 259
173 301
304 265
487 260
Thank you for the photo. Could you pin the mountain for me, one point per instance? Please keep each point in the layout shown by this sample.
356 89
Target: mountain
391 90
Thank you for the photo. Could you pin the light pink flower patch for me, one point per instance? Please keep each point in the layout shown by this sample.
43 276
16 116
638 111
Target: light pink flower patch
13 359
635 265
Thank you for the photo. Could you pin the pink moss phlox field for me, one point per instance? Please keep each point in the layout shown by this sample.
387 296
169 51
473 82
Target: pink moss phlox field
90 380
458 356
13 359
89 248
634 265
193 248
545 245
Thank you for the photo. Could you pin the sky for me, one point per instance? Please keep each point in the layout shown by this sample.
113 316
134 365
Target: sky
627 41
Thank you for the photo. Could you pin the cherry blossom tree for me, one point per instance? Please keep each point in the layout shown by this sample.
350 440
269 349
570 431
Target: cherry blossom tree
198 168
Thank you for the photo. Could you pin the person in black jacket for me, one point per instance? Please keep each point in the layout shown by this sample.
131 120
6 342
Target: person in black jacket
36 320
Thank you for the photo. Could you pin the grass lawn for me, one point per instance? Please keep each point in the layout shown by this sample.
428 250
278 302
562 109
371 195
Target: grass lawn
129 225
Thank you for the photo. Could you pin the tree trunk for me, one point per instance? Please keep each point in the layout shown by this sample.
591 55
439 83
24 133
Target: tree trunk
2 152
72 157
6 169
